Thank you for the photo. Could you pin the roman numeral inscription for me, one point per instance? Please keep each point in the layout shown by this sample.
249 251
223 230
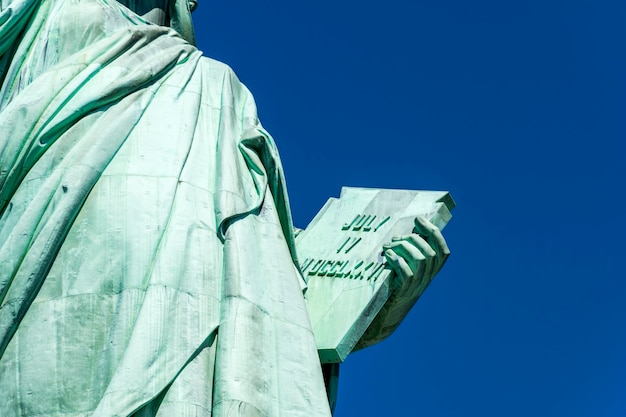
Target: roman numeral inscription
350 268
354 269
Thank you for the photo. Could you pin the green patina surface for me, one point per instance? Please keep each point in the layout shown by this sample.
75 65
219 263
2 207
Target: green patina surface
147 261
348 278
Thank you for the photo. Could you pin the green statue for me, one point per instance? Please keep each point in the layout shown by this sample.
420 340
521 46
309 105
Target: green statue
147 254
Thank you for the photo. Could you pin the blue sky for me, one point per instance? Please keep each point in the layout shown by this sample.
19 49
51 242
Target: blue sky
516 108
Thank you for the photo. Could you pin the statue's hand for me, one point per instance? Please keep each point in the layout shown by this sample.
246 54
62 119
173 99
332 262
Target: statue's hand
416 258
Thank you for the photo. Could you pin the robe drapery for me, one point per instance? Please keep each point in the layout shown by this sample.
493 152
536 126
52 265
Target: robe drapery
147 264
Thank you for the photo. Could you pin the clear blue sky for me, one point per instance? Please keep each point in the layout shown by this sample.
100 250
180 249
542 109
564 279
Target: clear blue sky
518 109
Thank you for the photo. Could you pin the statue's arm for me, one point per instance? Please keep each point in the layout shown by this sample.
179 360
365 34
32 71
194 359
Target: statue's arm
415 259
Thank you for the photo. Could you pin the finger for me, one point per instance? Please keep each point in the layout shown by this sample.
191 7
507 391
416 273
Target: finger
432 264
412 255
438 242
418 241
429 230
421 267
398 264
421 243
423 226
434 238
430 270
428 250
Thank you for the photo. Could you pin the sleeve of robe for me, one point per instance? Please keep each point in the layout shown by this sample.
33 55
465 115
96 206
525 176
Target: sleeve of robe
267 361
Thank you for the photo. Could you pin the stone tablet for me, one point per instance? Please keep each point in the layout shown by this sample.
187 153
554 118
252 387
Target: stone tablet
341 259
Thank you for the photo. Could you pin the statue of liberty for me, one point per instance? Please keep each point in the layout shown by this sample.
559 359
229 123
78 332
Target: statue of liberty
147 258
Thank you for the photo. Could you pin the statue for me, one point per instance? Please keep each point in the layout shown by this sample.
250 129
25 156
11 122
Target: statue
147 255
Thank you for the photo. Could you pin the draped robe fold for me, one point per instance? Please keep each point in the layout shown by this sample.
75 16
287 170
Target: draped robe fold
147 264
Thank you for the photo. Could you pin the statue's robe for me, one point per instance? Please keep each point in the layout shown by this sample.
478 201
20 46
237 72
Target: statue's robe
147 264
